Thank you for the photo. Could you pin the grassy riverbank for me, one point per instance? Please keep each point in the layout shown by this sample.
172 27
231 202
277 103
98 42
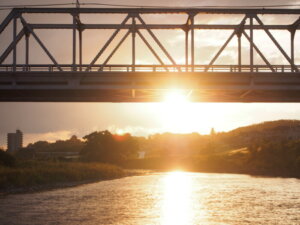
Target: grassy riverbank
239 162
31 174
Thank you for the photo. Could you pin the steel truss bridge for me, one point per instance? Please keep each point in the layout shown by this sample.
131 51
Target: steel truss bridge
105 82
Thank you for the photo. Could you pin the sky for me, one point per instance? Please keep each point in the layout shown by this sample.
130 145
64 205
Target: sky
52 121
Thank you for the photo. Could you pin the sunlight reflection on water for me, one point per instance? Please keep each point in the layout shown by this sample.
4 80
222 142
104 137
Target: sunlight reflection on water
174 198
177 205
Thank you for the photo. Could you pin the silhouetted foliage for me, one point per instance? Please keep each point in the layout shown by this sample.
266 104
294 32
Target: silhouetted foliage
269 148
26 153
6 159
106 147
71 145
280 158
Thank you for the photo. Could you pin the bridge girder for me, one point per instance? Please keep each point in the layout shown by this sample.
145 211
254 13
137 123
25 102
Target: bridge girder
149 87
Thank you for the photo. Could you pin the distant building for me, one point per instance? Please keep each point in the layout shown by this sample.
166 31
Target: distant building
14 141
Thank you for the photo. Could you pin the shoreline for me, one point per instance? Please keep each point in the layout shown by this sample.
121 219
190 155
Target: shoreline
46 187
129 173
33 176
62 185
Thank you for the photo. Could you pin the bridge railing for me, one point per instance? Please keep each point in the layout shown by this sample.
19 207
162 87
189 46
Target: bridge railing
144 68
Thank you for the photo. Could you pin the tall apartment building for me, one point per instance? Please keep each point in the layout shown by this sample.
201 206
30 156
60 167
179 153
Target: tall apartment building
14 141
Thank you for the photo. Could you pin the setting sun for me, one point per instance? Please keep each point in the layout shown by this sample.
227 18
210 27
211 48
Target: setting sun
176 96
176 111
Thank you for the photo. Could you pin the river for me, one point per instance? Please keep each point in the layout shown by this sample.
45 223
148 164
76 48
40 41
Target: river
174 198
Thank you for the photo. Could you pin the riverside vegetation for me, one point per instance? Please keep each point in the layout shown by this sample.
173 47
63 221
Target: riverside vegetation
28 175
270 148
29 169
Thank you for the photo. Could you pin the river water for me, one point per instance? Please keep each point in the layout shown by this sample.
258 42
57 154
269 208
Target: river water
174 198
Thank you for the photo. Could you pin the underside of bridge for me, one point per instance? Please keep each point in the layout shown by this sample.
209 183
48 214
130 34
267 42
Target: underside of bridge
150 87
102 81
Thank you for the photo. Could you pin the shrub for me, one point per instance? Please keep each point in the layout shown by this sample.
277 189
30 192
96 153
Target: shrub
6 159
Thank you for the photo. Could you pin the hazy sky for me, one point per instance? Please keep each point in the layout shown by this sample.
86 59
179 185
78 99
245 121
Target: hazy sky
51 121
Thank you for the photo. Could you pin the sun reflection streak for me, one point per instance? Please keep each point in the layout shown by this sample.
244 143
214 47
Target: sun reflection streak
177 202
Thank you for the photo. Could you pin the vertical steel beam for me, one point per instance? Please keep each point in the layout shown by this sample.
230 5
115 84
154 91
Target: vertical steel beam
239 36
186 50
14 40
251 43
80 49
133 43
27 50
192 42
292 32
133 32
74 43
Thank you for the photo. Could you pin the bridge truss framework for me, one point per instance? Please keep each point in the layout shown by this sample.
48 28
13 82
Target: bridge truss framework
133 82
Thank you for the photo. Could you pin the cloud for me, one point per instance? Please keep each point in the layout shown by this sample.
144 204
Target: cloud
134 130
49 136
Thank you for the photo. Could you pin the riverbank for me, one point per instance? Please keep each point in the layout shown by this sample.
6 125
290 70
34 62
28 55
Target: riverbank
218 163
31 176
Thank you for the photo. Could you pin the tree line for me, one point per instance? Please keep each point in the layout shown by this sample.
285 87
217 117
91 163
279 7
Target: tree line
270 148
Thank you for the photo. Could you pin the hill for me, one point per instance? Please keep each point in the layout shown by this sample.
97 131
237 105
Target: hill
280 130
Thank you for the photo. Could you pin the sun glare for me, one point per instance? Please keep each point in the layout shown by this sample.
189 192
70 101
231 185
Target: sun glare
177 203
176 97
175 111
120 131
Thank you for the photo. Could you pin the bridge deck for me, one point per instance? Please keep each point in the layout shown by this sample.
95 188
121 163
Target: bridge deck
149 84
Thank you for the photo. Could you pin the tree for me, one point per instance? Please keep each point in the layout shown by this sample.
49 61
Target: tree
108 148
39 146
6 159
71 145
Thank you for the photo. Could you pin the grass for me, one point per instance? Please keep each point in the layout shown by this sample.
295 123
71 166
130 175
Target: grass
36 173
